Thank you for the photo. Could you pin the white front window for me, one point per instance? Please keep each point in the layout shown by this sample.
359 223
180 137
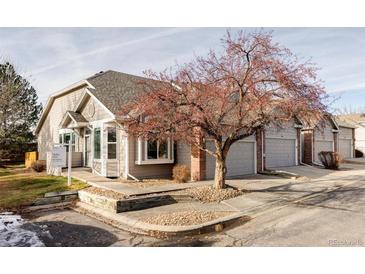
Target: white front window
157 150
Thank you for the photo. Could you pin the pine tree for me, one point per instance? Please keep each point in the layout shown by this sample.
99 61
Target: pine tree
19 111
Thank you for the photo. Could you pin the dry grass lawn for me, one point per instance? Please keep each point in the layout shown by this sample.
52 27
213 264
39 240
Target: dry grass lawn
20 187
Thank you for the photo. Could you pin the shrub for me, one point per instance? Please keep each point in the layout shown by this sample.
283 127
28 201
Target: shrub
38 166
181 173
359 153
330 159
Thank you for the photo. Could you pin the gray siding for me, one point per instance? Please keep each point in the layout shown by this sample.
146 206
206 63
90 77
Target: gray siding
323 140
146 171
324 133
287 131
183 154
345 133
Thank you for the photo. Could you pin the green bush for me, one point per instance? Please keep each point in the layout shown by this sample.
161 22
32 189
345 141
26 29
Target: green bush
181 173
359 153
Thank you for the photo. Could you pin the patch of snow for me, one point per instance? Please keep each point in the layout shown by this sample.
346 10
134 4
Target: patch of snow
12 233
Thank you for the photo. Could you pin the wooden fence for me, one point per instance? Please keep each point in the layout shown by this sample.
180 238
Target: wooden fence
30 157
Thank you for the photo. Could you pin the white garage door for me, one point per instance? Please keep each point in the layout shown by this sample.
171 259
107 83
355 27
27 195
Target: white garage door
280 152
240 160
322 145
345 148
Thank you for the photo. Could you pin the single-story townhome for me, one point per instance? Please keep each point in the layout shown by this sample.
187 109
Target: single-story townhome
319 136
84 117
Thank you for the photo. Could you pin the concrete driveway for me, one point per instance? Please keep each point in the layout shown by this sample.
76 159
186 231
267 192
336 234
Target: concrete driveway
326 209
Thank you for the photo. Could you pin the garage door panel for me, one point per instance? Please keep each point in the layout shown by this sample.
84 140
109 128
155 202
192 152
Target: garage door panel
240 160
280 152
345 148
322 145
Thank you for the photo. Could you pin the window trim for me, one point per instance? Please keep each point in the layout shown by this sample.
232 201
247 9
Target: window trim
146 161
112 143
73 136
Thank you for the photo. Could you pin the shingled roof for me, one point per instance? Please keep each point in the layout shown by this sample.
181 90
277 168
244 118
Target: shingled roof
77 117
353 119
115 89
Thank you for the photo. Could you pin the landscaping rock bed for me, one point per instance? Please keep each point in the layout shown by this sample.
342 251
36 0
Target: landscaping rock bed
208 194
185 218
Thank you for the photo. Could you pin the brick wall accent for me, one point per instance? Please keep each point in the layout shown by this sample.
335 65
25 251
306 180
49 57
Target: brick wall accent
335 141
308 146
299 146
259 150
198 160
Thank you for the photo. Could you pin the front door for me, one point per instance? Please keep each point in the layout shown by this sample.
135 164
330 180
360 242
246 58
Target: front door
87 151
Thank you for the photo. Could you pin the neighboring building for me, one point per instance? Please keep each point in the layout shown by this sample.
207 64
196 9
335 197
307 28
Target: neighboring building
87 115
319 136
357 121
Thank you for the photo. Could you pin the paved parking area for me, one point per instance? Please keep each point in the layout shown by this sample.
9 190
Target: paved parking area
327 210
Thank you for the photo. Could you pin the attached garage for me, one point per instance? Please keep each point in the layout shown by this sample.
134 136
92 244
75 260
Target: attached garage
241 159
346 140
345 148
281 145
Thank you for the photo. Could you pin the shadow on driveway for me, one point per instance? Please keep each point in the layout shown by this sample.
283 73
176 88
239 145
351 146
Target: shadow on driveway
59 233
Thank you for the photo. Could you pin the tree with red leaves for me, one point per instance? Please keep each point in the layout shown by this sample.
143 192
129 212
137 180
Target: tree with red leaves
227 96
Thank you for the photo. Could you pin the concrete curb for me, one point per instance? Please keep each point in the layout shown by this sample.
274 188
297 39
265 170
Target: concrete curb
354 162
281 173
47 207
136 226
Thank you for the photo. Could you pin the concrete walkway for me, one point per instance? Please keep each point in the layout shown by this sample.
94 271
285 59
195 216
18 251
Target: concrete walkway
119 186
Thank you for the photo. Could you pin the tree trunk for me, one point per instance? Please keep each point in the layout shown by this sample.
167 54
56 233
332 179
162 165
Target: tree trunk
220 174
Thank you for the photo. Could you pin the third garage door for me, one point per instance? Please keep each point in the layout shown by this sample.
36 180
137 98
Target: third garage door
240 160
345 148
280 152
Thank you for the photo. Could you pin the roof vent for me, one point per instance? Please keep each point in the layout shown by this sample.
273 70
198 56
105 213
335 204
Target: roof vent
100 72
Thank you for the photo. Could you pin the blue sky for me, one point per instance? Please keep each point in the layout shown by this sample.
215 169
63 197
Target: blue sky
53 58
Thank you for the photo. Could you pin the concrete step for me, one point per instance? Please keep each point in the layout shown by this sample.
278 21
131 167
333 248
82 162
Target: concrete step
130 203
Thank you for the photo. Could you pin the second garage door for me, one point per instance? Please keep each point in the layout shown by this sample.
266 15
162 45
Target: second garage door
280 152
345 148
240 160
